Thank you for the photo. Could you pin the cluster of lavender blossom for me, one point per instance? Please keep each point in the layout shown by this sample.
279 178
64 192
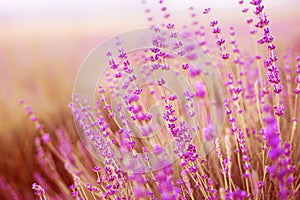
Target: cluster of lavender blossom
253 158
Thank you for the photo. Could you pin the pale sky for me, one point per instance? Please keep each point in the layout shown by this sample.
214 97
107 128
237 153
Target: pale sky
47 8
111 15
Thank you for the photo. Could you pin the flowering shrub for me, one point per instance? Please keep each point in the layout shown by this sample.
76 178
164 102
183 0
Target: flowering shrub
136 116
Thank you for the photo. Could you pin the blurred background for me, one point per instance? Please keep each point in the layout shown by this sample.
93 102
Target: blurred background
43 43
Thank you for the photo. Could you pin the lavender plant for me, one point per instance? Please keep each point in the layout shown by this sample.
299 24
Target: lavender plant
152 96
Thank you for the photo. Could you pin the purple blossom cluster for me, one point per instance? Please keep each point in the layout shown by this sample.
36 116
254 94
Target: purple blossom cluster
149 141
282 169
